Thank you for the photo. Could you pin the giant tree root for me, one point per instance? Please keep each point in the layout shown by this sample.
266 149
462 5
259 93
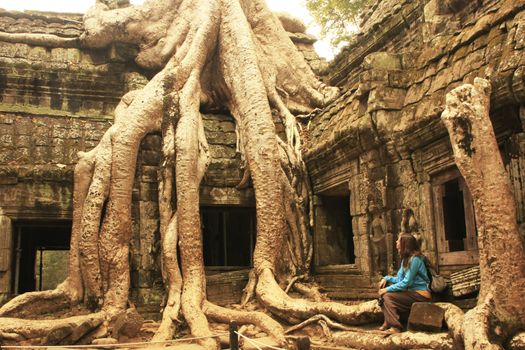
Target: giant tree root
35 303
454 318
277 301
326 322
372 339
477 328
50 332
259 319
400 341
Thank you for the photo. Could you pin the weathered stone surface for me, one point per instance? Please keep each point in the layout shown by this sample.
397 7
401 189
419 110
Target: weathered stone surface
221 138
221 151
433 9
386 98
382 60
466 281
152 142
290 23
151 157
416 92
148 191
456 5
127 323
425 317
302 38
149 173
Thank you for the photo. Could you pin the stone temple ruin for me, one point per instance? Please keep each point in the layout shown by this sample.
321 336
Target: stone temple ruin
379 157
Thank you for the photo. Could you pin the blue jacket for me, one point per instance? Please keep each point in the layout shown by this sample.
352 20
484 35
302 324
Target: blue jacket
412 279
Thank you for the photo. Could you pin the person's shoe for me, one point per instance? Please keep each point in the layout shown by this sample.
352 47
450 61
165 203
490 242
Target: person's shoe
383 327
393 330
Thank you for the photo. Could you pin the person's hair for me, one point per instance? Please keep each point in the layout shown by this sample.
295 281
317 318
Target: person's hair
408 247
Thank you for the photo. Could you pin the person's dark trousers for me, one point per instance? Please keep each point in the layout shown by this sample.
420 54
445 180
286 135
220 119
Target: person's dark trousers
396 307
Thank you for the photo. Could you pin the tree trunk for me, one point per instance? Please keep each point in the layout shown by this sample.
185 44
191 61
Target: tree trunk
502 253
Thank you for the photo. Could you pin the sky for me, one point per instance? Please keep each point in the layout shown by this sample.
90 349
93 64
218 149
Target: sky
295 7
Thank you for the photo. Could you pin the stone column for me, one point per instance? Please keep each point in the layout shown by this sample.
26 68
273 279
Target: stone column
6 234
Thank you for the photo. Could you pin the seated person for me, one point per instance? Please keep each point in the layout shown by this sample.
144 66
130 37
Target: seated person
409 286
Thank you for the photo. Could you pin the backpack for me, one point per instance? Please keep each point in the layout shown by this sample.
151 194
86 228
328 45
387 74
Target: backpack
437 283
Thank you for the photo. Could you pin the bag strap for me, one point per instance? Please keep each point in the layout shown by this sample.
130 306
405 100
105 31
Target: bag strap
428 267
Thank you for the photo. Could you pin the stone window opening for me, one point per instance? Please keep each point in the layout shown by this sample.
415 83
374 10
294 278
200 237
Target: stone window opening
455 225
228 237
454 216
40 255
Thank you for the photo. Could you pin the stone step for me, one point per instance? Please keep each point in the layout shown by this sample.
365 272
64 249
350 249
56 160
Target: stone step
347 286
466 281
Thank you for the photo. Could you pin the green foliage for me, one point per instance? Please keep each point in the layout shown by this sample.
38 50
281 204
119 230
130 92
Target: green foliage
338 18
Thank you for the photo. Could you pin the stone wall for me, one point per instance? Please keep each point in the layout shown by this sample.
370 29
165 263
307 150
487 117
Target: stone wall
383 139
54 102
57 101
37 157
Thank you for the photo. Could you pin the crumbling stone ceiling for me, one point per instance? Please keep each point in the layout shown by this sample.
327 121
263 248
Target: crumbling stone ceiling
395 76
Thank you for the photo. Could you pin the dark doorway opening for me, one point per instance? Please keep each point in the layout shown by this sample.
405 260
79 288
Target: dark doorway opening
335 236
228 236
454 216
41 255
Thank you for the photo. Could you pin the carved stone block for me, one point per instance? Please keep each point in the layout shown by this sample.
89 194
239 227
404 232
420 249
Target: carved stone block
425 317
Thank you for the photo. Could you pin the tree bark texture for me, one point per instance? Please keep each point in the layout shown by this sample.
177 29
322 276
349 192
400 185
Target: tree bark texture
502 254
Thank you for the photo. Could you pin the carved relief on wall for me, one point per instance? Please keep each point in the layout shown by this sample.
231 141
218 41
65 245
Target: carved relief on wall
379 236
378 243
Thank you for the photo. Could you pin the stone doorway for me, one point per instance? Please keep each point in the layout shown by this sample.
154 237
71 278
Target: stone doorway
334 236
40 256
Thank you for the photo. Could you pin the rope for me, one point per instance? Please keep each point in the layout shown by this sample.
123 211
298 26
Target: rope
255 342
91 346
